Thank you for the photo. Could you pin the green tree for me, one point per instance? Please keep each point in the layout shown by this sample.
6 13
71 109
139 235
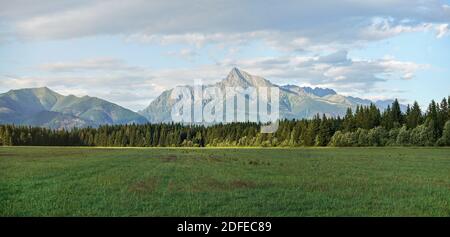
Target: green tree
386 118
396 114
445 139
443 114
403 136
349 122
377 136
325 132
414 116
432 120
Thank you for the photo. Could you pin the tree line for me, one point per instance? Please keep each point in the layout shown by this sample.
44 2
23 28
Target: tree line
366 126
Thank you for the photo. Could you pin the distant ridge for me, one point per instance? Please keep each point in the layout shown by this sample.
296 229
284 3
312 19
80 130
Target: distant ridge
44 107
295 102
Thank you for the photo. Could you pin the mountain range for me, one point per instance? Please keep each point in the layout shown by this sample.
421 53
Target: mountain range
295 102
44 107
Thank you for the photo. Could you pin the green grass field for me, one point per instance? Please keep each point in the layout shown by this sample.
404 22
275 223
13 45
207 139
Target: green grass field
224 182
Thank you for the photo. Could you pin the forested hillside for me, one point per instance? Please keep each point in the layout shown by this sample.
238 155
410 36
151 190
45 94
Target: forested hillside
367 126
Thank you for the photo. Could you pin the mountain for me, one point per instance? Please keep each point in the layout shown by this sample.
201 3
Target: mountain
295 102
319 91
44 107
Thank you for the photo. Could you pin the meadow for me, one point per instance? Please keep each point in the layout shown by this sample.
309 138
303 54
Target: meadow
72 181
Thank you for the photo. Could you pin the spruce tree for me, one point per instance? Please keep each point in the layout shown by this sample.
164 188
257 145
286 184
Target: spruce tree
396 114
414 117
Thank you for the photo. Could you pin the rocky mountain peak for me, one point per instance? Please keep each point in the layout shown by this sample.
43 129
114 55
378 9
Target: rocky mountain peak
239 78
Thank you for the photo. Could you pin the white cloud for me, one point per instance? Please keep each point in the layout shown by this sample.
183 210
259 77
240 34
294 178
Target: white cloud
442 30
186 54
136 88
382 28
293 25
133 92
335 70
109 64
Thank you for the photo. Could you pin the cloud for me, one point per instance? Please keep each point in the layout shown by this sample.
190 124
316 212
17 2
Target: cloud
109 64
311 41
133 92
196 39
108 78
335 70
294 25
186 54
337 58
382 28
136 88
442 30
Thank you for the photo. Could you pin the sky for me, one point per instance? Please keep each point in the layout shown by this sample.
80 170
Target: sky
128 52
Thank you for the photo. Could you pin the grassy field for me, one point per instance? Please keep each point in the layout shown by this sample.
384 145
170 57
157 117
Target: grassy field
224 182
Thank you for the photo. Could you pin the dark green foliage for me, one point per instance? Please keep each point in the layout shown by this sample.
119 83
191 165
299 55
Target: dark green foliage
413 116
366 127
396 114
445 139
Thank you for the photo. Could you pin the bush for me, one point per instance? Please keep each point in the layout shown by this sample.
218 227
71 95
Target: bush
403 136
419 136
336 139
445 139
377 136
392 137
362 137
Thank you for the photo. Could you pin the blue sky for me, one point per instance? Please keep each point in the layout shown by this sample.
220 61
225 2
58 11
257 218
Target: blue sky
130 51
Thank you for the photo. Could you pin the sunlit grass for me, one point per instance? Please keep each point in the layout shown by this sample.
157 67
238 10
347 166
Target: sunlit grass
58 181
